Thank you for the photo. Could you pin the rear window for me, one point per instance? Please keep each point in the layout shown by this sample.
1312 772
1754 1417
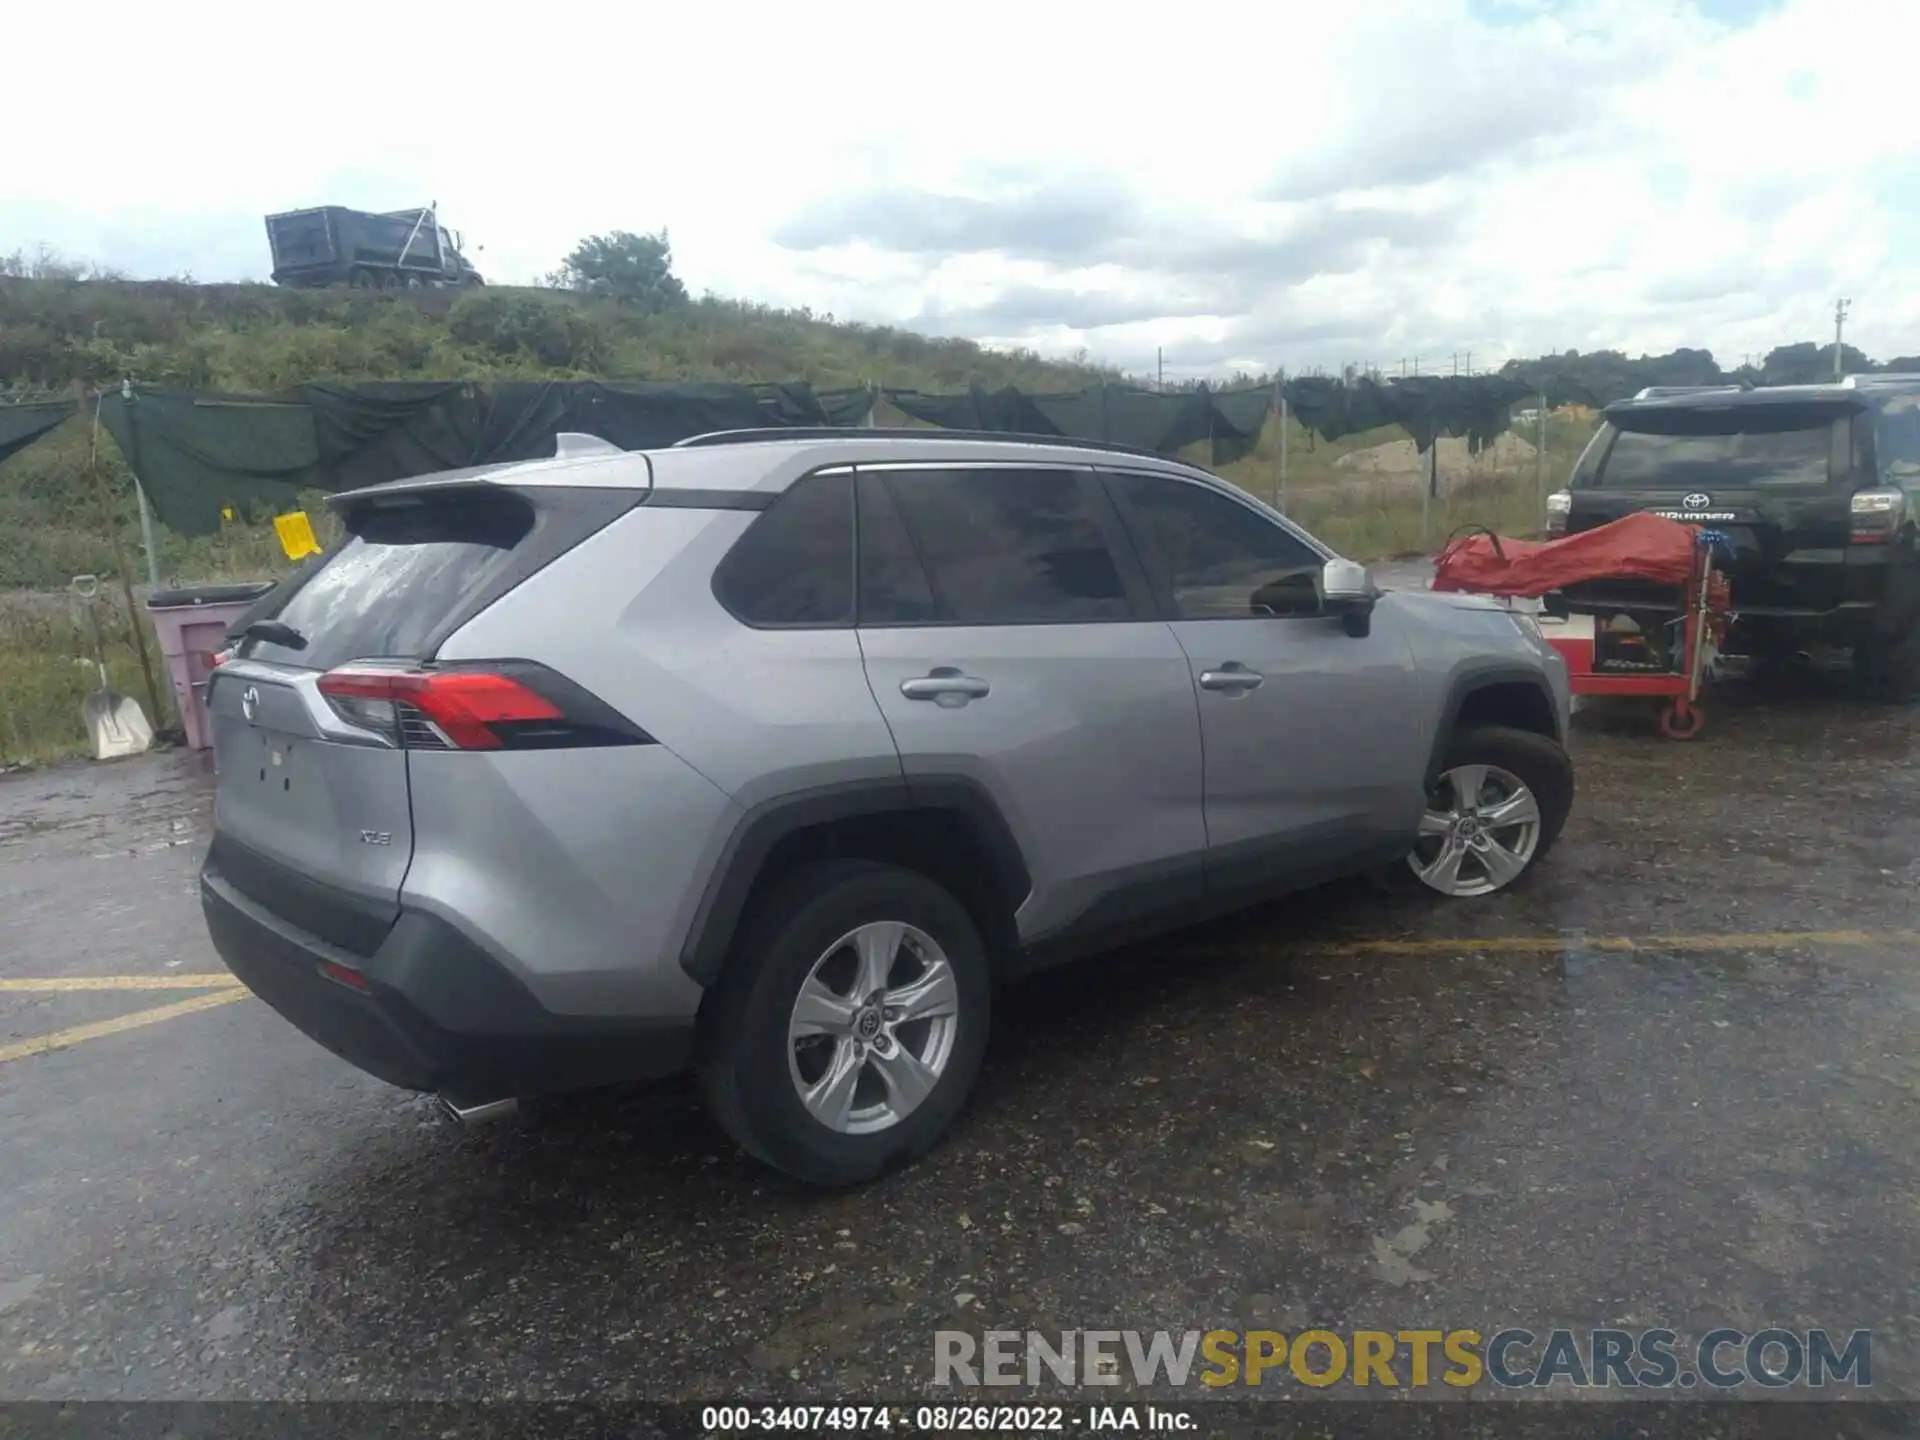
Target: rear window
1744 448
412 561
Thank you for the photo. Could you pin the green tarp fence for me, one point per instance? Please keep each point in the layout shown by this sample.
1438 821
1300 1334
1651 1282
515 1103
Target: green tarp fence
1146 419
1473 407
21 425
197 455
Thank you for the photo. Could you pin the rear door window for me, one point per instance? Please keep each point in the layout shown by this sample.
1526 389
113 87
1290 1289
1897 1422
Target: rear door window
1014 547
893 583
411 563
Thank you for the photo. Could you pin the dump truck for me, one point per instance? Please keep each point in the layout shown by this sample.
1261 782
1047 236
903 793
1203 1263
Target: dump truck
368 250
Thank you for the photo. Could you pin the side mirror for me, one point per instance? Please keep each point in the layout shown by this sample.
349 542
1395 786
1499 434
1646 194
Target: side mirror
1347 590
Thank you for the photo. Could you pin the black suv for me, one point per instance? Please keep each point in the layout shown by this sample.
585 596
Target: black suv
1816 486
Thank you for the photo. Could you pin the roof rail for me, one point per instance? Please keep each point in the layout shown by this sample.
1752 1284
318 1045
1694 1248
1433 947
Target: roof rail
881 432
1656 392
1889 377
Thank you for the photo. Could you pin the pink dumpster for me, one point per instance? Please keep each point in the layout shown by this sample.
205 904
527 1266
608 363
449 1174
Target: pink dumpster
192 623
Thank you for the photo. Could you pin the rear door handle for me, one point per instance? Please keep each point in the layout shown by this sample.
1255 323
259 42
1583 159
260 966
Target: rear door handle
1232 677
945 686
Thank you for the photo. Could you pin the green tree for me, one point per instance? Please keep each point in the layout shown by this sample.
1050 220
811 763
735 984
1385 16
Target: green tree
636 269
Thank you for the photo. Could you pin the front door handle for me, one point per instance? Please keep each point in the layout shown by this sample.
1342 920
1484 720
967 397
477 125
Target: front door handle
1232 677
945 686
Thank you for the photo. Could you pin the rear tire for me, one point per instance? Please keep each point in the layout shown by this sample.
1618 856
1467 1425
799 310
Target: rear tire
363 279
801 1007
1501 801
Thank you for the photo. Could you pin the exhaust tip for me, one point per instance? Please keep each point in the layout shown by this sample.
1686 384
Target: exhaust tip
474 1117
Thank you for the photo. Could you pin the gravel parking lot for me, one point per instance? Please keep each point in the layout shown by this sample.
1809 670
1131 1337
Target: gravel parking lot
1669 1082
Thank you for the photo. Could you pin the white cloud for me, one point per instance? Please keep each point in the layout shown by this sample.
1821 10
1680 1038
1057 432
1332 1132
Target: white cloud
1258 184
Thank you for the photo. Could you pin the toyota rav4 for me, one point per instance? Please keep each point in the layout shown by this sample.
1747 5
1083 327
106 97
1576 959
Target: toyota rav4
777 754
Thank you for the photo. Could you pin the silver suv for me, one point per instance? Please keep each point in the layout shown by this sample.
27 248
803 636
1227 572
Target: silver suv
776 754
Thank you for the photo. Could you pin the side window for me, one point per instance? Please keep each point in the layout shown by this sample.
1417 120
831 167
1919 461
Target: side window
1012 547
1219 558
893 582
794 565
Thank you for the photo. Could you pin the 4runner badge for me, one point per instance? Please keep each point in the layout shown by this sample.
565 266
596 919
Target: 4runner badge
1694 509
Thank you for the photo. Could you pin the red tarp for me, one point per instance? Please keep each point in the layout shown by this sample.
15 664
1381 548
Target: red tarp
1635 547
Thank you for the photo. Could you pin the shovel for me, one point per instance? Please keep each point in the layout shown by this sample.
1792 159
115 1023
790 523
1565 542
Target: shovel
115 723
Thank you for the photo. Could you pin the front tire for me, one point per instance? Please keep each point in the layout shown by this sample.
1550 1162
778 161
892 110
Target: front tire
1501 800
850 1024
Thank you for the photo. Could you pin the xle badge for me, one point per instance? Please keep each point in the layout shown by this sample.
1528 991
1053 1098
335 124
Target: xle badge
376 837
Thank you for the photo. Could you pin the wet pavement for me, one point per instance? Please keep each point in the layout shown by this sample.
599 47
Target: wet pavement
1347 1111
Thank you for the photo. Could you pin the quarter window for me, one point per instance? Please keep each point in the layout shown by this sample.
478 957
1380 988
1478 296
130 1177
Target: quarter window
794 565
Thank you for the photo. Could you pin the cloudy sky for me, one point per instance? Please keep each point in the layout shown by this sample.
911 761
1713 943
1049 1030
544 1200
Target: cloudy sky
1242 186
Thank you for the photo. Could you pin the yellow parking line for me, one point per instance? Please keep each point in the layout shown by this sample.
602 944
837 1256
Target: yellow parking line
79 1034
225 989
1546 944
1551 944
118 982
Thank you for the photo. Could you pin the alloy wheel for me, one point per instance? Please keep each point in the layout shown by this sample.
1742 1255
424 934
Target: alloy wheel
873 1027
1479 832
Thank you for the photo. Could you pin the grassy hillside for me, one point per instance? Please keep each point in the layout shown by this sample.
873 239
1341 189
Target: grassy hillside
55 331
259 337
243 337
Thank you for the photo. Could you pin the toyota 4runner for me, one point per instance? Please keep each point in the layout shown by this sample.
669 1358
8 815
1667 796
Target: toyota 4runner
775 754
1814 488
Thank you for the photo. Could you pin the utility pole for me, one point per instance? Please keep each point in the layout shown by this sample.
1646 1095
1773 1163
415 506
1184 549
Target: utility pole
1540 464
1839 323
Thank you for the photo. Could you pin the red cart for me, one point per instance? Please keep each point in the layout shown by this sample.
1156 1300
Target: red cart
1659 648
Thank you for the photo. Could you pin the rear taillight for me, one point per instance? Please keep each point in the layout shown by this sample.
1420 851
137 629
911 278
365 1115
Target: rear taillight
1559 506
1877 515
219 658
513 705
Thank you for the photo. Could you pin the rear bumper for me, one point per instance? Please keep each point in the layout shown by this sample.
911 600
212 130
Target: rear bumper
1809 585
439 1014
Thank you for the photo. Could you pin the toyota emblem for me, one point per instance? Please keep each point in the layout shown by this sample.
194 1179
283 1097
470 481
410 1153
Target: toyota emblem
1696 501
249 702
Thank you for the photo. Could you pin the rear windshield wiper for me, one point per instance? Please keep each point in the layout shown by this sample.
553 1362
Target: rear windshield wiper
274 633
